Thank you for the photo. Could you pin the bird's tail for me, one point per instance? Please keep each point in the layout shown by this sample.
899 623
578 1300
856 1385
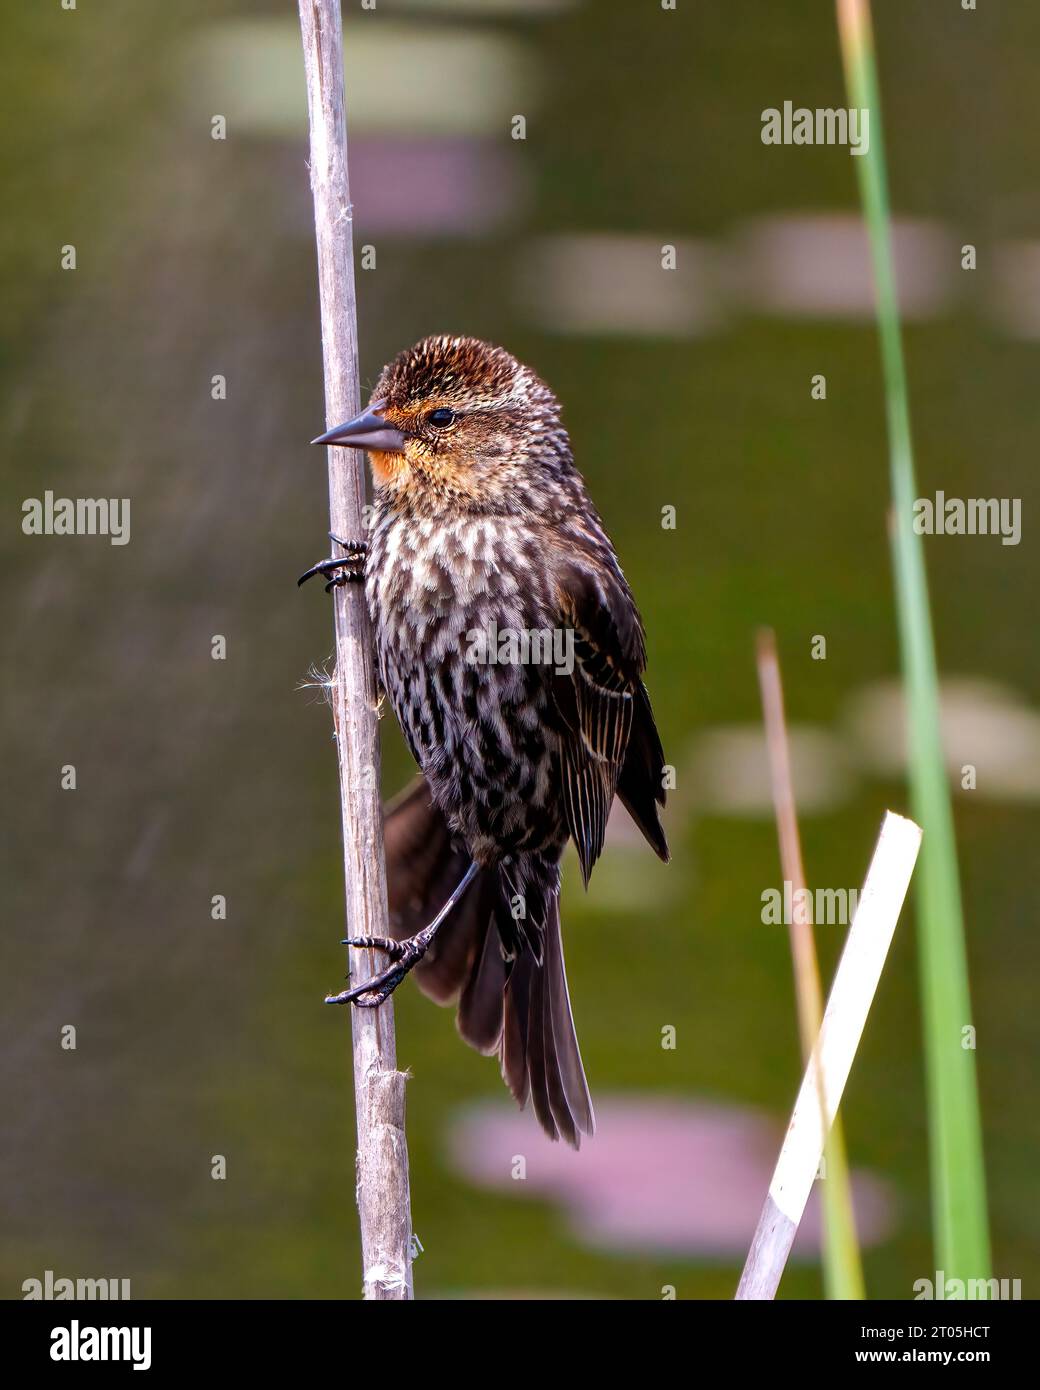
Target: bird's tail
517 1007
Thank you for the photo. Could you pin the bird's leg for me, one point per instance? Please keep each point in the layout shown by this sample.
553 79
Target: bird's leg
352 564
405 954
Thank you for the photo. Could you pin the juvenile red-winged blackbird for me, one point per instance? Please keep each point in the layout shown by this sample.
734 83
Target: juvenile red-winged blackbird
511 649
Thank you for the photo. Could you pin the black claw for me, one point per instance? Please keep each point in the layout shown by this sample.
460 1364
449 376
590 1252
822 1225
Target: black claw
322 567
373 1000
353 565
371 993
380 987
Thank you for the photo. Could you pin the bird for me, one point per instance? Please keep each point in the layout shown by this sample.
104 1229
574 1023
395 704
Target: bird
510 647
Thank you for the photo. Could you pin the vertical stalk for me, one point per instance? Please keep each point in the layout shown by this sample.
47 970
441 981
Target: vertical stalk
382 1157
955 1132
842 1266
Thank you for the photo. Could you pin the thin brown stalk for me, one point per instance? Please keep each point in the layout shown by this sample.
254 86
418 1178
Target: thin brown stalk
842 1265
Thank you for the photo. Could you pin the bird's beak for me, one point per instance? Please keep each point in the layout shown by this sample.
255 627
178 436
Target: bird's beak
368 430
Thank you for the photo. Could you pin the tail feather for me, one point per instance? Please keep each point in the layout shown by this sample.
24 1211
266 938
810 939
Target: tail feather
537 1062
558 1102
515 1015
516 1007
480 1005
568 1055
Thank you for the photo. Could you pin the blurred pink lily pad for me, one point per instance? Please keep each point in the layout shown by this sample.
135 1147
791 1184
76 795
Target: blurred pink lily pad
677 1176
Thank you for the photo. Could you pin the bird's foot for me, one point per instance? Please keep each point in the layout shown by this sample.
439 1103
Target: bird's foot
352 565
404 954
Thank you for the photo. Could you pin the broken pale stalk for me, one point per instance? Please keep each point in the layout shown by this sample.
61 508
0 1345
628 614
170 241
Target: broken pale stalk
843 1269
855 984
382 1157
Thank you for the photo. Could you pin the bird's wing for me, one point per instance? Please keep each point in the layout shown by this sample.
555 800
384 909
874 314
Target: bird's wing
600 698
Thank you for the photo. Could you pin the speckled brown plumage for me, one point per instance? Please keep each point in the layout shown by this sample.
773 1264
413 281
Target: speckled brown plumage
482 524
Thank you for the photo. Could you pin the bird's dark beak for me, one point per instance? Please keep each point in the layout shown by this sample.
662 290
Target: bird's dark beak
366 431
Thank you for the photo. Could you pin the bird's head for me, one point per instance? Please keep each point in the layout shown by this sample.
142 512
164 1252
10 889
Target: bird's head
455 421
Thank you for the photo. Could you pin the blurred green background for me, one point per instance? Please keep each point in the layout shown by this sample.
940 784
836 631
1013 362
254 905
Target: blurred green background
195 777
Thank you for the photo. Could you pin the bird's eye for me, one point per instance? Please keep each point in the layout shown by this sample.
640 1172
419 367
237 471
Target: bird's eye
441 418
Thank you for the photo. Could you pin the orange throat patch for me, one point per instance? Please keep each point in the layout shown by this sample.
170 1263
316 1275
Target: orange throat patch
386 468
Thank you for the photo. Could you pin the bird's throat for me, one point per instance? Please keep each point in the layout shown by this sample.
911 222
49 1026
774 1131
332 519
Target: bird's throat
386 468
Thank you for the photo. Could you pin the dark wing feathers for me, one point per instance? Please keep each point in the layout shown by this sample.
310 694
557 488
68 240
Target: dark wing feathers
612 743
640 787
